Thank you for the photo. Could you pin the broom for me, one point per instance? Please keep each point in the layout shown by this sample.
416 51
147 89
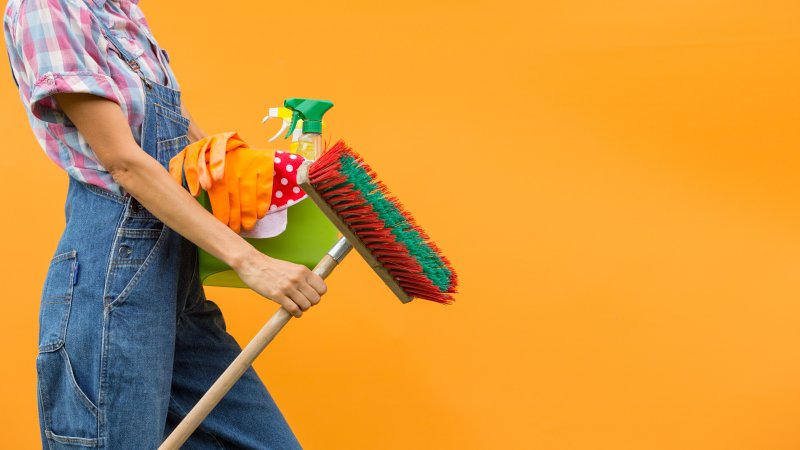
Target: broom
345 188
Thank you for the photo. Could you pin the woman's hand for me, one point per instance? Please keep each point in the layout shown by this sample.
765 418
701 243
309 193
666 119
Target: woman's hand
291 285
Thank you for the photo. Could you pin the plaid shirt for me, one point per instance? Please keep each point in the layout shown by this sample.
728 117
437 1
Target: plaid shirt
57 46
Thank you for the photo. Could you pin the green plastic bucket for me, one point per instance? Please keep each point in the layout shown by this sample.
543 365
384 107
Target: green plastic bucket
307 238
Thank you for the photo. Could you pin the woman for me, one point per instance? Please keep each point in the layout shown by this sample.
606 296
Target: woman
127 340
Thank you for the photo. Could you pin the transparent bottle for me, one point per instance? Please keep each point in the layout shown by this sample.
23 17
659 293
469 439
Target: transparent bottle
310 145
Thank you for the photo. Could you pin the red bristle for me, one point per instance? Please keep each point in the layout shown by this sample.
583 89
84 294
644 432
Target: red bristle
369 238
365 222
329 158
401 266
356 212
343 191
342 204
342 200
358 223
438 298
386 247
419 283
325 188
411 279
324 175
376 246
397 264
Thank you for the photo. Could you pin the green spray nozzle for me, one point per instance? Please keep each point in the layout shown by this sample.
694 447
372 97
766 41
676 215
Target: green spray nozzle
310 110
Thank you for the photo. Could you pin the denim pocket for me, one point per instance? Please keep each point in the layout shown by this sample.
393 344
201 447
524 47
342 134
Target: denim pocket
170 123
70 418
171 132
134 250
57 300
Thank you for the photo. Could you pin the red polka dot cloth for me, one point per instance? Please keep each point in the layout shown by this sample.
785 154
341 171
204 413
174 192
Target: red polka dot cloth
285 193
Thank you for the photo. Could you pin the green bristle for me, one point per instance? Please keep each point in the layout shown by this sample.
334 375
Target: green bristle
432 265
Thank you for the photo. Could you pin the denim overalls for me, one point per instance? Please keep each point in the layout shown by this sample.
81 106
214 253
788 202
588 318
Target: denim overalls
127 340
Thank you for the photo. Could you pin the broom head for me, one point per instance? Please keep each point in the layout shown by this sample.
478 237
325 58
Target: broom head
346 189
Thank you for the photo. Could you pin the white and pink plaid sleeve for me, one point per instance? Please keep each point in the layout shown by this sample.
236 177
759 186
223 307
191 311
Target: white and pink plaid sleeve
58 42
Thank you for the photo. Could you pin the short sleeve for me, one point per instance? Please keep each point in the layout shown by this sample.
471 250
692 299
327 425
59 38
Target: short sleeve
63 50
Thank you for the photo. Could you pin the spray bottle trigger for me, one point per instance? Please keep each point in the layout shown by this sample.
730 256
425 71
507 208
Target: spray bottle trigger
284 126
295 118
278 113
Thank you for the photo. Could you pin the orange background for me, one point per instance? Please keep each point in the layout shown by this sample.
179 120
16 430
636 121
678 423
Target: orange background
615 182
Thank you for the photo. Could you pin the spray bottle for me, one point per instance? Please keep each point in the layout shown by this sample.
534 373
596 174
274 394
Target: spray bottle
310 111
285 115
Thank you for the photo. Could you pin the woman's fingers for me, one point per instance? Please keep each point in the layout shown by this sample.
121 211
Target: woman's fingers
299 299
291 285
288 304
295 286
317 283
309 293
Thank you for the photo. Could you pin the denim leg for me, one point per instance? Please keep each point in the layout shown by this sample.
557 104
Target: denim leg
137 361
107 327
71 320
247 417
140 291
138 345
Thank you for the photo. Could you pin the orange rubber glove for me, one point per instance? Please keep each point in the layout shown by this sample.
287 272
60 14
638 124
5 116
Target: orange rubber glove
203 161
248 184
238 179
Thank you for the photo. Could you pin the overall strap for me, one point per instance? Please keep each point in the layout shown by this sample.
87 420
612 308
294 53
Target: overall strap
129 59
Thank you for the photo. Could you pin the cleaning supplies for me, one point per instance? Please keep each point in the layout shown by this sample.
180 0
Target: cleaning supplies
203 160
309 145
242 184
378 226
295 231
285 115
271 225
248 186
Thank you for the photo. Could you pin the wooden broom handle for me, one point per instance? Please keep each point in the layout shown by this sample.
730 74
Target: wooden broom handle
245 359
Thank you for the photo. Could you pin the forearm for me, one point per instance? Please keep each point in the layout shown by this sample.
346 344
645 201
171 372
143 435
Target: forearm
149 183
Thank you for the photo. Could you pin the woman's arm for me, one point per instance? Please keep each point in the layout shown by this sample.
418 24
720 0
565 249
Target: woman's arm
105 128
